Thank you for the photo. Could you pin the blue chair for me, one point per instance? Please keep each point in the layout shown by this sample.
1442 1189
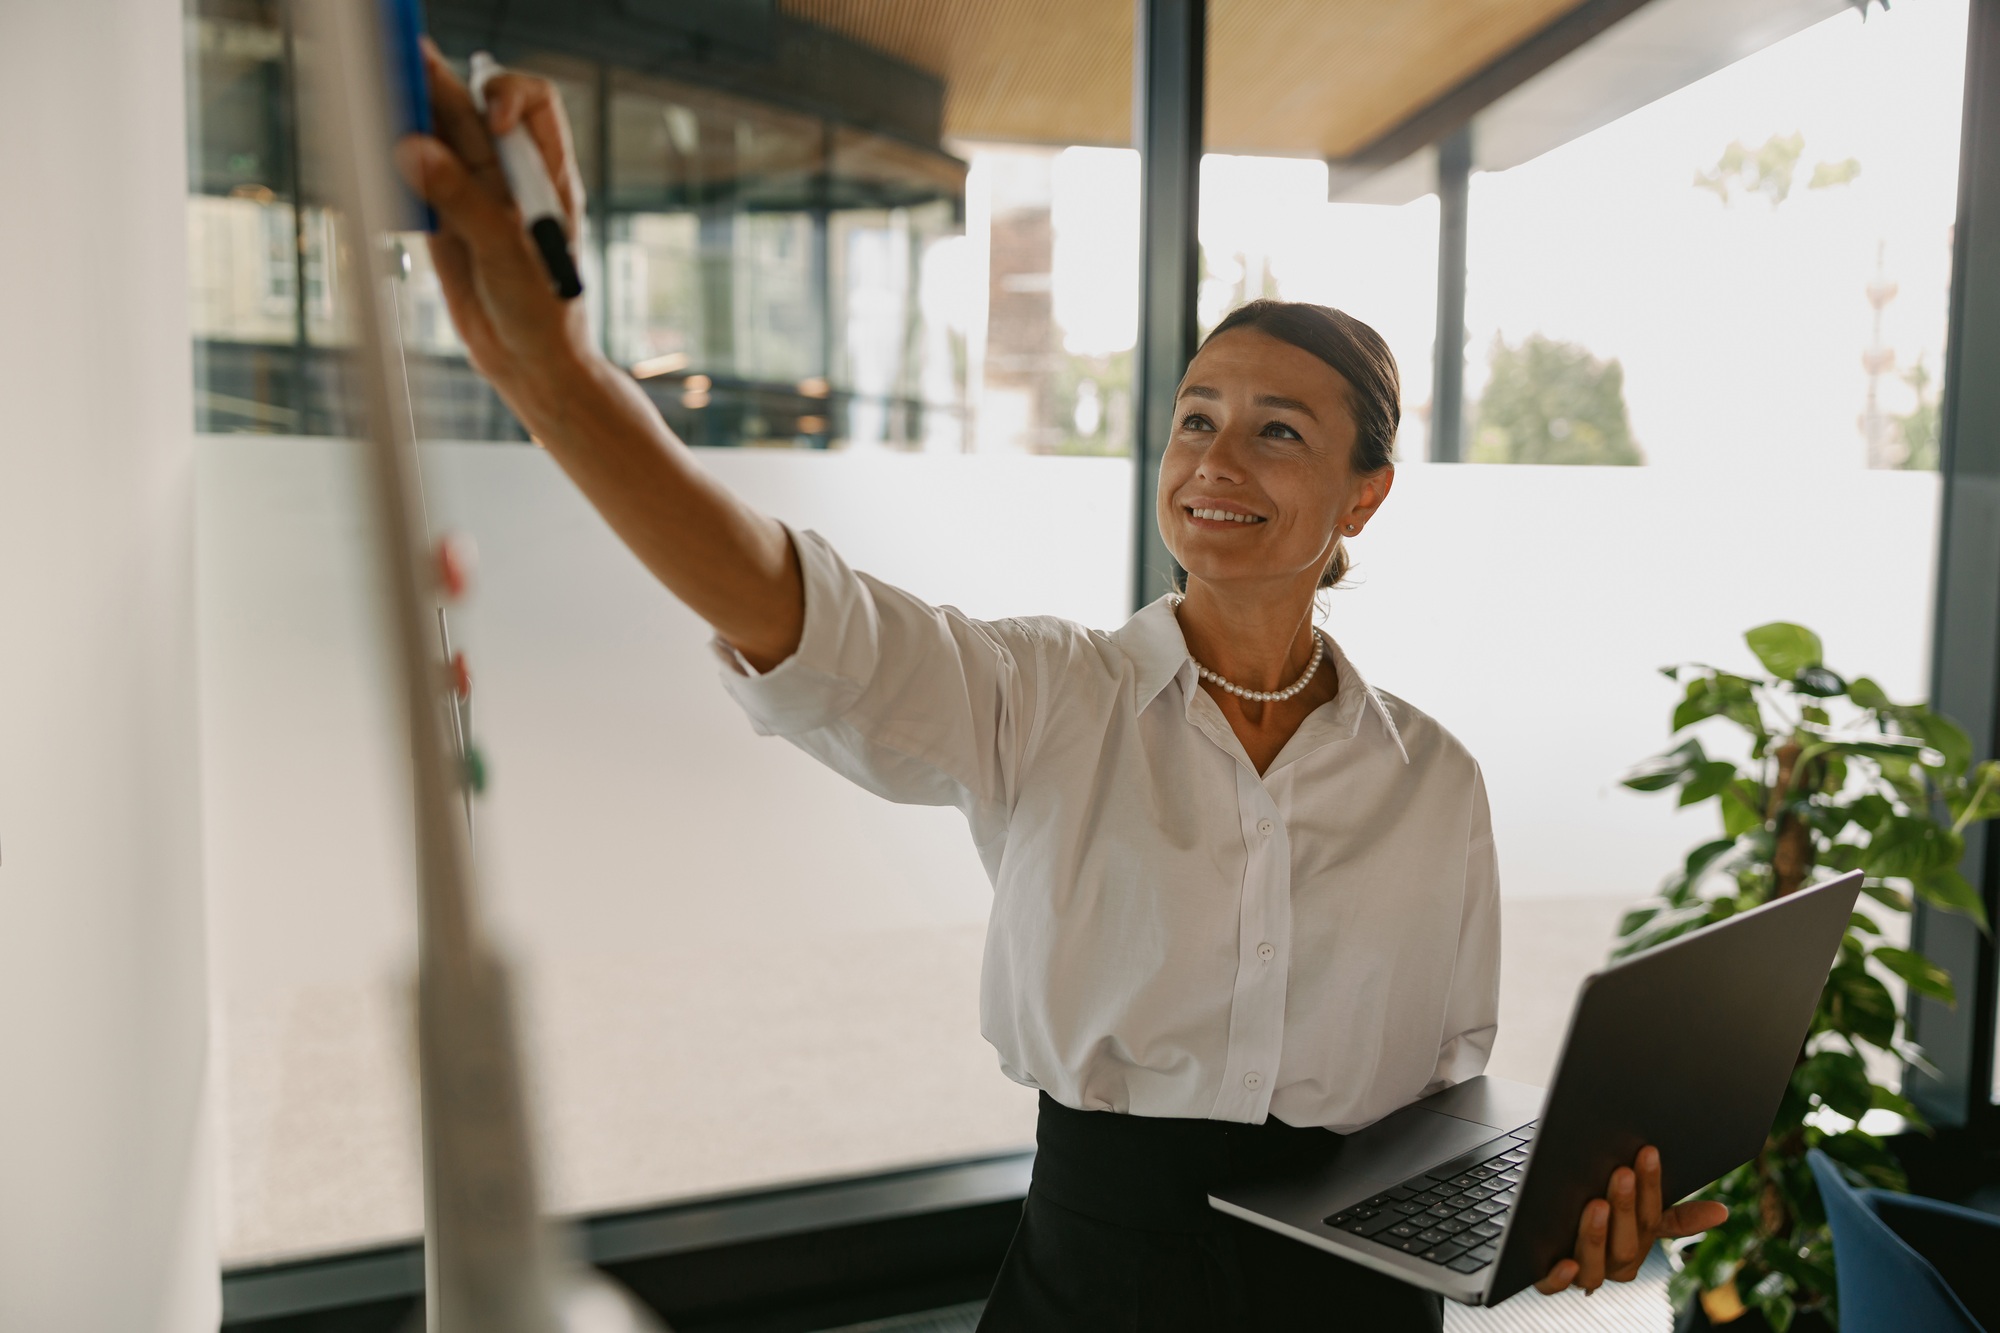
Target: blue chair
1906 1262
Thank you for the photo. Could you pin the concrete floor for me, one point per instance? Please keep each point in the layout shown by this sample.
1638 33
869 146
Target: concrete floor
702 1068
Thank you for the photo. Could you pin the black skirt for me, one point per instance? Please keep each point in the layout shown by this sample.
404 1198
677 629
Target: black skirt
1117 1234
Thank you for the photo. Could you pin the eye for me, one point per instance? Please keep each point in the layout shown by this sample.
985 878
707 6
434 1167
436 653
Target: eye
1286 432
1196 421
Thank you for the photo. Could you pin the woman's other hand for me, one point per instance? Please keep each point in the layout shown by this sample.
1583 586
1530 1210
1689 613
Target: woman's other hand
1616 1232
528 342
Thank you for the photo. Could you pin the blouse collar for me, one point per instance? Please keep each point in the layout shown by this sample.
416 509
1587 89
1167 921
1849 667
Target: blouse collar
1152 639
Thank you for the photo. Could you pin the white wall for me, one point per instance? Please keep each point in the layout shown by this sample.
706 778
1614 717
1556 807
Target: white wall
104 1150
741 970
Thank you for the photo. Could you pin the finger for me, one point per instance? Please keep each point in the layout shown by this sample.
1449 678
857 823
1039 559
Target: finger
1590 1232
1623 1251
458 124
501 262
454 269
1690 1219
535 103
1649 1191
436 173
511 95
1558 1278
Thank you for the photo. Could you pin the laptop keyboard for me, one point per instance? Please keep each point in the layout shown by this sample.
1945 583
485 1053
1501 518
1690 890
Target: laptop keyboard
1451 1215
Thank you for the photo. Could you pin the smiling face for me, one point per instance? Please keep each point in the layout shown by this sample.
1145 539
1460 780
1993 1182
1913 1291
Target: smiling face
1258 480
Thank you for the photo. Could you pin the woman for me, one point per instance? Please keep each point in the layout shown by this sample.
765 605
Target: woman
1239 896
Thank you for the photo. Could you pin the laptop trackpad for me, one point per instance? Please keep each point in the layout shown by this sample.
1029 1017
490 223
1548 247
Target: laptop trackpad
1392 1150
1362 1164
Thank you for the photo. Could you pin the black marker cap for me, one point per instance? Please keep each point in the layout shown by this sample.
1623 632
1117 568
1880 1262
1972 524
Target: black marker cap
549 239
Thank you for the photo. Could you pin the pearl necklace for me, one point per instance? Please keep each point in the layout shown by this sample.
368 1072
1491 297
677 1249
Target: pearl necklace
1266 696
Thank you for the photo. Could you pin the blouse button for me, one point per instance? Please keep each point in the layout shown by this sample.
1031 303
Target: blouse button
1253 1080
1266 952
1264 826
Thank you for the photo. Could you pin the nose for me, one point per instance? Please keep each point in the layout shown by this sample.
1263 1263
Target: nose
1222 460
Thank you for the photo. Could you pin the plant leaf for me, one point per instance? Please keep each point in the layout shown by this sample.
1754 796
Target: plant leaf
1664 770
1912 847
1820 683
1888 1099
1839 1080
1947 888
1874 747
1701 700
1886 895
1707 780
1977 796
1944 736
1742 807
1785 649
1867 694
1918 972
1666 926
1635 919
1870 810
1856 1001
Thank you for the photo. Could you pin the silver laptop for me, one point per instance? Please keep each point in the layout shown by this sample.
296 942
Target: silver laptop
1475 1192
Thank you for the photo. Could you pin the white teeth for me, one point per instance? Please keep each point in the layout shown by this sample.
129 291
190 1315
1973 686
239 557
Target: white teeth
1225 516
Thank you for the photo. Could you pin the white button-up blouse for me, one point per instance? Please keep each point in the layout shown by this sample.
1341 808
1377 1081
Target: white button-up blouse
1172 933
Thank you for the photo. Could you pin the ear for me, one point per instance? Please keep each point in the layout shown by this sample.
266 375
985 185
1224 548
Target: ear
1370 491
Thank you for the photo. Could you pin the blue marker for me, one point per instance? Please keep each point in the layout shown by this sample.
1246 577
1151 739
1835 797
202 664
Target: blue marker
534 193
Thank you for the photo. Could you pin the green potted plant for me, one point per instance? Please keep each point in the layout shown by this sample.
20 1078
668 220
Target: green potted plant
1824 775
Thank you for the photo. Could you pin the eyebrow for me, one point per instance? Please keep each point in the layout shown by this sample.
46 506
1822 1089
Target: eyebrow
1262 399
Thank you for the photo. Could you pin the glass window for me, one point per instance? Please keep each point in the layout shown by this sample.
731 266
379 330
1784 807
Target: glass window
1751 271
1268 229
735 968
1742 287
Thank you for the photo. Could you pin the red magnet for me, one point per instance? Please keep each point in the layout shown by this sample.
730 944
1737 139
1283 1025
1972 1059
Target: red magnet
457 560
461 676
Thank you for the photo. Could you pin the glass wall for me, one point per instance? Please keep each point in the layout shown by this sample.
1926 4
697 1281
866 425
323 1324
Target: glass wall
1733 300
1268 229
1749 272
736 969
762 270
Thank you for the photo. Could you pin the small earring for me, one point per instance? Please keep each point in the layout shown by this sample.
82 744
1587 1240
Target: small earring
1351 529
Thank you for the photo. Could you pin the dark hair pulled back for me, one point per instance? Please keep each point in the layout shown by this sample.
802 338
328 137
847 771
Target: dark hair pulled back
1361 357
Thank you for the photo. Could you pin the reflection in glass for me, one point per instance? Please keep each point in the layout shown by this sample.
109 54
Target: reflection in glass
792 265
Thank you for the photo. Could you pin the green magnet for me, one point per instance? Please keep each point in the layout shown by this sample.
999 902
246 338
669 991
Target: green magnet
475 770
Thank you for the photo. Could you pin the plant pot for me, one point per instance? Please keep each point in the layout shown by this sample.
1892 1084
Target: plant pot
1692 1319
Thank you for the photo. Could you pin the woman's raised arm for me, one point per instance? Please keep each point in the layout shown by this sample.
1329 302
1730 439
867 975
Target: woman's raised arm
732 565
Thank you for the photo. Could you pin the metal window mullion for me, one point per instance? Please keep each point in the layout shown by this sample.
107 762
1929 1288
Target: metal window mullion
1454 169
1169 48
1965 663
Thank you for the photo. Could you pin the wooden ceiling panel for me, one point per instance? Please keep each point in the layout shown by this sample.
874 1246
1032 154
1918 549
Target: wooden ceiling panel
1329 77
1323 78
1029 71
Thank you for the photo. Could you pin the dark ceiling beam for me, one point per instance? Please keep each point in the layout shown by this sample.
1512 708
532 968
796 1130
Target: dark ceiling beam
1455 109
766 57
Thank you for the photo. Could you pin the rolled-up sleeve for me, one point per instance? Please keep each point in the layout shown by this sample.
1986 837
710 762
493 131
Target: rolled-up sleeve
918 703
1472 1012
